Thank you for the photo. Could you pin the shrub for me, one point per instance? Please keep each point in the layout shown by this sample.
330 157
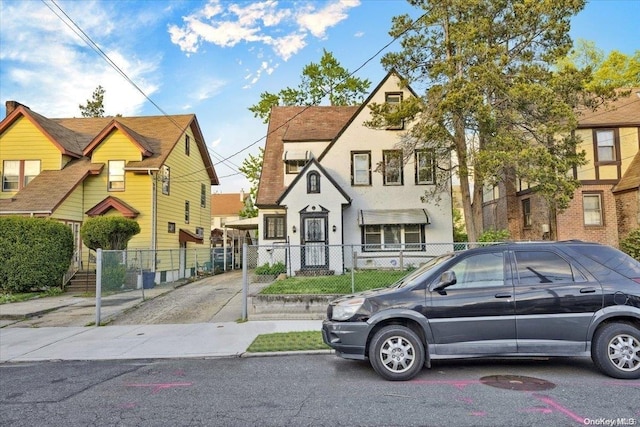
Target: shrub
494 236
267 269
631 244
108 232
35 252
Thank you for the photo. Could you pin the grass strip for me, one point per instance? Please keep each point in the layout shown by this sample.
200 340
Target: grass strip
288 341
338 284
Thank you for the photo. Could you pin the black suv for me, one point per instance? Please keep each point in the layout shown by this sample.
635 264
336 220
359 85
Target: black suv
514 299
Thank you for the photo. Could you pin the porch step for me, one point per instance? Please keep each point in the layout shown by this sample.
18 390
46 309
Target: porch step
83 282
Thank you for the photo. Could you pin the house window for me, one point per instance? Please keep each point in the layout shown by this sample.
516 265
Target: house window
171 227
425 167
274 226
203 195
361 168
166 176
16 174
199 231
592 207
393 237
313 182
116 175
526 213
295 166
187 145
605 140
392 167
186 212
393 99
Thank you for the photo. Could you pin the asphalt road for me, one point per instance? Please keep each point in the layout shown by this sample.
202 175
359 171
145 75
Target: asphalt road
312 390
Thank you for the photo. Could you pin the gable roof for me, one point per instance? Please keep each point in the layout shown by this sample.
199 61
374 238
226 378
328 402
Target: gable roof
227 204
109 203
302 173
69 142
50 188
298 124
631 179
624 111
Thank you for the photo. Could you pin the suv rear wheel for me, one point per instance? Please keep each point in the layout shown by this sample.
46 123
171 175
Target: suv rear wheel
396 353
616 350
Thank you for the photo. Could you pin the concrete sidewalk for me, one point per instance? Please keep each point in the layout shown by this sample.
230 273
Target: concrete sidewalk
25 336
201 340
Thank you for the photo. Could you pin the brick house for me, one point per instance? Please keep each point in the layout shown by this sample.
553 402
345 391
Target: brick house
606 207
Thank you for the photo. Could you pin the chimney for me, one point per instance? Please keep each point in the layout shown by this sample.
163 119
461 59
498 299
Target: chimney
12 105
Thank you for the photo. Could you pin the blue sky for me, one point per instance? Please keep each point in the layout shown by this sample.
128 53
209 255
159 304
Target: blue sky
212 58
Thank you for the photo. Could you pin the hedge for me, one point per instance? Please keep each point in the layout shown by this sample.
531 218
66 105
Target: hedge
35 253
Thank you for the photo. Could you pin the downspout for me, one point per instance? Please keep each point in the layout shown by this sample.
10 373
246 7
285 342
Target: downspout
154 219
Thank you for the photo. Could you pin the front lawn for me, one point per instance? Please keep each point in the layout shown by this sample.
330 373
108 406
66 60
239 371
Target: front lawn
340 284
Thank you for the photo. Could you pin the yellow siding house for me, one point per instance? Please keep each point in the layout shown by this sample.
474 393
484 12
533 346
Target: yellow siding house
156 170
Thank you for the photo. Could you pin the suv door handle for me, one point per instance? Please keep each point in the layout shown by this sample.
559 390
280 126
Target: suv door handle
503 295
587 290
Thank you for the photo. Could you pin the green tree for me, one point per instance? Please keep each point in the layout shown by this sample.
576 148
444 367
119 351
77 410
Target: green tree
108 232
324 81
94 106
631 244
492 96
251 168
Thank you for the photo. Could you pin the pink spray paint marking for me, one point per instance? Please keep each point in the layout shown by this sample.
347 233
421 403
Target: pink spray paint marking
558 407
155 388
537 409
479 413
459 384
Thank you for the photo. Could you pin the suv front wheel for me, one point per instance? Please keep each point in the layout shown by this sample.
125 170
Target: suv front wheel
616 350
396 353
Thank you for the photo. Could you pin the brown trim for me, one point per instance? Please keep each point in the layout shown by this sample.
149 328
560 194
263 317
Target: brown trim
112 203
186 236
616 147
601 182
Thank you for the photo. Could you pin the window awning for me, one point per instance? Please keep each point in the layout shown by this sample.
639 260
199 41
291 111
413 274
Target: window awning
188 236
393 216
292 155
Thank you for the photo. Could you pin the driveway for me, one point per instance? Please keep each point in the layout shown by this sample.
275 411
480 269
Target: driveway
211 299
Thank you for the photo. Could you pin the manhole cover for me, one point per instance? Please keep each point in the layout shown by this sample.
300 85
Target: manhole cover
517 382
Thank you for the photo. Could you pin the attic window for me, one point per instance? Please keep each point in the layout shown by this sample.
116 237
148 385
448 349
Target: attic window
393 99
187 145
313 182
295 160
116 175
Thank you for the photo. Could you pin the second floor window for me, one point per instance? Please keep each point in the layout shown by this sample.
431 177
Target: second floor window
313 182
361 168
16 174
186 212
392 167
425 167
166 176
295 166
116 175
203 195
605 140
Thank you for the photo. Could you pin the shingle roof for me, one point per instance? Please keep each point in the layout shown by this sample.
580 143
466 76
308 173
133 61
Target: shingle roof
623 111
295 124
226 204
50 188
631 179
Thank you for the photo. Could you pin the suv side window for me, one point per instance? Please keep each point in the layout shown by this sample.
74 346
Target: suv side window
540 267
479 271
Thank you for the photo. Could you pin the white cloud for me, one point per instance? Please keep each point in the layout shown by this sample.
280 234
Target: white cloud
48 67
283 29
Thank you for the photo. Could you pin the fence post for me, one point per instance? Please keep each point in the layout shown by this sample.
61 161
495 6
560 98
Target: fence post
245 281
98 285
401 261
353 268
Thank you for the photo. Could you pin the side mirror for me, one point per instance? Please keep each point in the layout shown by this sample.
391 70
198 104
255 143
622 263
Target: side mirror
447 279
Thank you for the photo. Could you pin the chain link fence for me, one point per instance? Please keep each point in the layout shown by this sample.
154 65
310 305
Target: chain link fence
296 282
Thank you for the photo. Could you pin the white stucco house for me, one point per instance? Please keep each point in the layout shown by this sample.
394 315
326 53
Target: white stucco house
329 180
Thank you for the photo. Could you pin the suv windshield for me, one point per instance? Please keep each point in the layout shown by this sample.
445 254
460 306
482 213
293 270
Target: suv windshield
416 276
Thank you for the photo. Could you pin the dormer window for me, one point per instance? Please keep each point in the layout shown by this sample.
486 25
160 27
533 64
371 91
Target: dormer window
295 160
313 182
116 175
